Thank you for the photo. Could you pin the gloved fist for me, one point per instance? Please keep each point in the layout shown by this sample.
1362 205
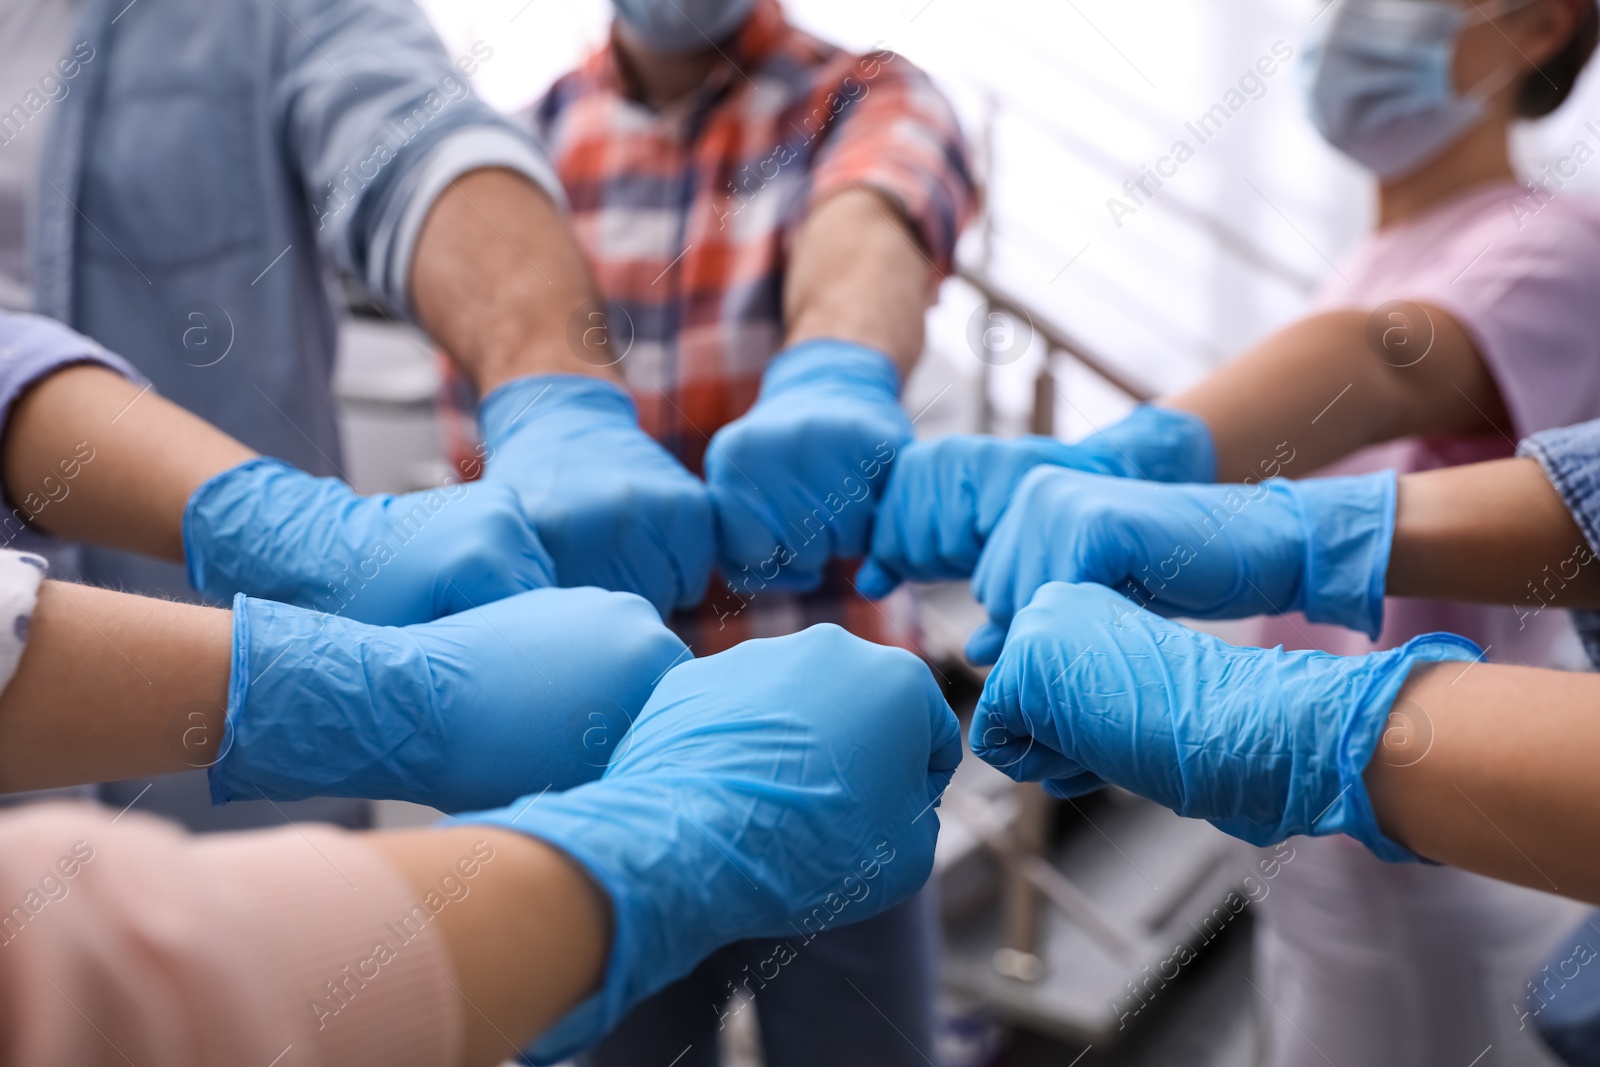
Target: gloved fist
795 479
784 787
945 496
268 530
532 692
614 508
1261 743
1319 546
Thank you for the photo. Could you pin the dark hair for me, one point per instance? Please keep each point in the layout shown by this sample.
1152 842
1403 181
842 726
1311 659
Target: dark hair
1543 90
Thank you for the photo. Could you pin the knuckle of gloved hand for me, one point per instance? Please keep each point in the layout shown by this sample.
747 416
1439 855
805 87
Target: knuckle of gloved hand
905 680
1039 480
1030 640
1056 596
657 499
744 438
618 611
1075 513
832 649
650 654
634 631
479 549
693 515
950 449
502 523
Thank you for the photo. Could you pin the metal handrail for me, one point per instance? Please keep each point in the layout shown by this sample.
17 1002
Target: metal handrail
1029 881
1055 338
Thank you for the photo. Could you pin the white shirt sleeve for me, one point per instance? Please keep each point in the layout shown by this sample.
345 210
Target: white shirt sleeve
20 575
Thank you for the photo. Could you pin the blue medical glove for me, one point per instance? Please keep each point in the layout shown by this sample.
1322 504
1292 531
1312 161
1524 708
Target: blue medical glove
945 496
532 692
268 530
783 788
614 508
796 478
1261 743
1319 546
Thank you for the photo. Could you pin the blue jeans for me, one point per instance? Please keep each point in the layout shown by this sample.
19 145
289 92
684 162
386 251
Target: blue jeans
859 996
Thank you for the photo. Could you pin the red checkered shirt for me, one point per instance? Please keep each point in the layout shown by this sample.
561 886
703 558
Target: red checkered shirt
687 215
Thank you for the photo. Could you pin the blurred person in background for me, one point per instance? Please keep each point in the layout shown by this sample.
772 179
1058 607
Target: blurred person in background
768 218
1468 319
181 180
1411 964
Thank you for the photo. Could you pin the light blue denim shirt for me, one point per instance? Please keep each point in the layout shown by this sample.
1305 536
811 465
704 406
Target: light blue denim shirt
1570 455
214 164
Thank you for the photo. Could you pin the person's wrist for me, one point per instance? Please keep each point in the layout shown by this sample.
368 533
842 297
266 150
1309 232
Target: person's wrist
291 730
523 402
653 923
519 358
829 362
532 904
538 862
1375 706
1347 525
624 867
1399 771
224 507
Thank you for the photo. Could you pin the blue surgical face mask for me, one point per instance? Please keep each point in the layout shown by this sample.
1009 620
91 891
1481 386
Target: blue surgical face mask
682 25
1378 79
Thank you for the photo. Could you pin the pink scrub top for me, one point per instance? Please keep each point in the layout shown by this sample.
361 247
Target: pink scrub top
1523 279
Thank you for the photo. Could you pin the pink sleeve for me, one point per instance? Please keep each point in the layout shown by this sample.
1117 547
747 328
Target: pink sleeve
128 941
1529 301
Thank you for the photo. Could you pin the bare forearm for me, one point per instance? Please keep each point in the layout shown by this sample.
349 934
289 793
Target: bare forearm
497 280
113 686
91 457
1326 389
1495 533
1492 770
859 274
529 943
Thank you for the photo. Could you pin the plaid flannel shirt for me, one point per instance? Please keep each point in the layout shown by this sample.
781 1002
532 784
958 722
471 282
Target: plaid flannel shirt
687 215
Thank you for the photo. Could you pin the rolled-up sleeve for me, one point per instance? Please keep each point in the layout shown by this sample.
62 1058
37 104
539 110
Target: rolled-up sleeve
1570 456
125 940
898 136
33 347
1527 301
394 239
378 121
